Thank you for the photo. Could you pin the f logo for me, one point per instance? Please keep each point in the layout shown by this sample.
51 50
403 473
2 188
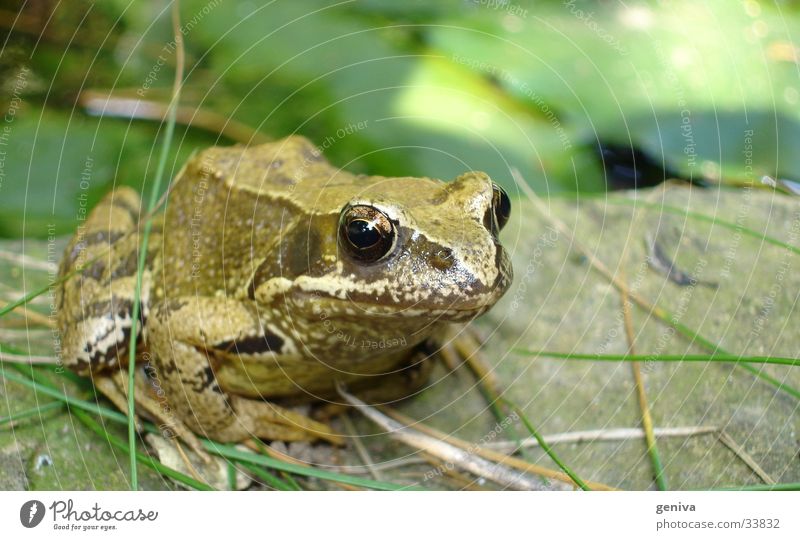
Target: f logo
31 513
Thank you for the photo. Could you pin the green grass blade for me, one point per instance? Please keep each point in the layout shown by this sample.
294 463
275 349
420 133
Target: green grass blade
269 479
61 396
8 308
546 447
716 349
154 193
291 481
31 412
222 450
792 486
658 466
139 456
258 459
676 210
720 357
231 470
77 406
771 380
293 485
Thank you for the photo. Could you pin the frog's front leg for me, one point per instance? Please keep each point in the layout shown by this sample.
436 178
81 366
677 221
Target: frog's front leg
96 303
187 336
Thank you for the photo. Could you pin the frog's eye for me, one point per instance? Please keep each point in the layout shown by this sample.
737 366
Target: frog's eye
501 209
366 233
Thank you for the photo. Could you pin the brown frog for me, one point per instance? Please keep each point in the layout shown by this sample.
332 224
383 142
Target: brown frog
271 277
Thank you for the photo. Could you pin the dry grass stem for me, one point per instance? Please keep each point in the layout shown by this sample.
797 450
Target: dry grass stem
601 435
445 451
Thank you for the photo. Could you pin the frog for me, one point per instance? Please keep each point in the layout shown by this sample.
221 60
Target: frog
271 279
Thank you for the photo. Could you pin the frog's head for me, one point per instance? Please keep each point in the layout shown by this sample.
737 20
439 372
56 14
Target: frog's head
415 247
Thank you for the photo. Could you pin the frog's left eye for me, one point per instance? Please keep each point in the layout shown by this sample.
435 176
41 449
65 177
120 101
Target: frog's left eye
366 233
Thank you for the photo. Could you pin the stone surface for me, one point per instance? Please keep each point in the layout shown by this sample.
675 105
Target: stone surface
744 300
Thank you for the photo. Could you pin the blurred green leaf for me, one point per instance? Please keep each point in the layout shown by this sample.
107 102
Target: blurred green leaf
725 145
413 88
57 166
607 68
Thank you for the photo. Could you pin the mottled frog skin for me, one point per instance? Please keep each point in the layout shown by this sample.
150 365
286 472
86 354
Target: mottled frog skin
271 276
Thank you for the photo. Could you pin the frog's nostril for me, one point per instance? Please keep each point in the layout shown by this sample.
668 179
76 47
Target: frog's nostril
442 259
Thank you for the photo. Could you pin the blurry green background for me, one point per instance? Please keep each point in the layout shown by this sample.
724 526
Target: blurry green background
427 88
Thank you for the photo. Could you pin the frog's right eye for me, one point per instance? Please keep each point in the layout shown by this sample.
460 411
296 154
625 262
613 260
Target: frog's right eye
501 205
366 233
499 212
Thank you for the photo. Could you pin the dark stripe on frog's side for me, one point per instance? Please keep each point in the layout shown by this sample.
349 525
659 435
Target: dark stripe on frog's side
128 265
252 345
116 307
207 381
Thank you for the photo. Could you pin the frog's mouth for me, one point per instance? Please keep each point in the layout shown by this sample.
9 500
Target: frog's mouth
354 304
452 296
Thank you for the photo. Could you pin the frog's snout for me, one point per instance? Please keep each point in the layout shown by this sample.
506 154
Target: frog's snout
480 280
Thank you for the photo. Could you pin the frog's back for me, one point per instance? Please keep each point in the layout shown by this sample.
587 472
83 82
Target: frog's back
293 172
285 170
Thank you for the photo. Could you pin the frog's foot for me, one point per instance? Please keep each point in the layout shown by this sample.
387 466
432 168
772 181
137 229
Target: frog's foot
266 420
408 379
188 336
456 346
115 388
